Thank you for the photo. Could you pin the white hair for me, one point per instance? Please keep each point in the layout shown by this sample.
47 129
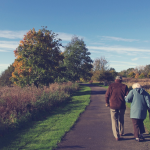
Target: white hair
136 85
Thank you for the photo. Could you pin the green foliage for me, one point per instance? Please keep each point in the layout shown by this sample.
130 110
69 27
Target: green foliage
5 76
95 76
141 76
106 76
148 75
113 73
38 58
131 74
123 73
77 61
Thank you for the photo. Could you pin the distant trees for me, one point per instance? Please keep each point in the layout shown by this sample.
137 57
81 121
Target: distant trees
101 70
137 72
100 64
6 75
77 60
131 74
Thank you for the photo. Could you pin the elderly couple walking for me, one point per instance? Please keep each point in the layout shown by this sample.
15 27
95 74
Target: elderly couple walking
116 96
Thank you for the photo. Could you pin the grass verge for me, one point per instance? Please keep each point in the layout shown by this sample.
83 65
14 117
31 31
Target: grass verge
50 127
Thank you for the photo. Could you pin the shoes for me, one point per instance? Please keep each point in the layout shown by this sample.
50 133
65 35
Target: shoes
137 139
141 137
117 139
121 134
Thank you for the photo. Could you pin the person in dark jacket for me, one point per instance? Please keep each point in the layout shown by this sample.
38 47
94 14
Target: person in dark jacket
140 102
114 98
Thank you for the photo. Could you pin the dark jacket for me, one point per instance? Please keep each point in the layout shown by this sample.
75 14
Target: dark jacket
115 95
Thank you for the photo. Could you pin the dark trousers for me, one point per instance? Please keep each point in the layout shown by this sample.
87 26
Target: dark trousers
138 127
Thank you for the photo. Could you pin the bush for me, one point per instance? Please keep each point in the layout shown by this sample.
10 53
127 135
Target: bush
131 74
141 76
90 81
18 103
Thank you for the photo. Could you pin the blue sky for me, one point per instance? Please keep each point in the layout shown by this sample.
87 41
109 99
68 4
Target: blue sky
118 30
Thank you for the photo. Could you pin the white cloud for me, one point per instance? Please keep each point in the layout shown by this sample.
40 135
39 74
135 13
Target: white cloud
134 59
146 41
123 62
12 34
145 57
120 65
118 49
3 67
97 43
118 39
66 36
8 45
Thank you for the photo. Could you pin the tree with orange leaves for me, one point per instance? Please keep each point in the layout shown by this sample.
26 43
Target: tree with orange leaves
37 58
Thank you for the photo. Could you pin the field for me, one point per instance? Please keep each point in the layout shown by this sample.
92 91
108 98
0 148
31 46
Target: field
145 83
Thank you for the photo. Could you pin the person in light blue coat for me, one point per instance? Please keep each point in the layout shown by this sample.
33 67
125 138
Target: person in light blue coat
140 102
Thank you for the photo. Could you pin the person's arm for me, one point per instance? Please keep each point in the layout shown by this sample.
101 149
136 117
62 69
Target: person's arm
129 97
107 95
147 99
126 91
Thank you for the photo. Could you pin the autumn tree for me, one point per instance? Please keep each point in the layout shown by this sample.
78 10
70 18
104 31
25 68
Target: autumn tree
77 60
37 58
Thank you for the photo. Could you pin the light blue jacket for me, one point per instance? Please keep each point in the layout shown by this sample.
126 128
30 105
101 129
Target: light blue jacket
140 101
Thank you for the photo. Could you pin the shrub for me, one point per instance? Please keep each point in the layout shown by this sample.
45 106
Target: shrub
18 103
136 76
141 76
90 81
131 74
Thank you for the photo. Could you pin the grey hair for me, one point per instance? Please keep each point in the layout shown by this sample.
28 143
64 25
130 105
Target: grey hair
136 85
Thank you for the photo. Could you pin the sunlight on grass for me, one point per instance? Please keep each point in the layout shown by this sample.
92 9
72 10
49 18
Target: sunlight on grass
47 132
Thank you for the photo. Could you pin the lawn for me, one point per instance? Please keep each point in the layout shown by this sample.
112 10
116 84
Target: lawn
50 127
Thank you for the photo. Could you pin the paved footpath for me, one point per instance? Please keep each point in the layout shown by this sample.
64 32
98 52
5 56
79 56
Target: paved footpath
93 129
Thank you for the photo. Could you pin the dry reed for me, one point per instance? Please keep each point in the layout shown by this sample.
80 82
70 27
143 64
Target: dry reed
145 83
17 102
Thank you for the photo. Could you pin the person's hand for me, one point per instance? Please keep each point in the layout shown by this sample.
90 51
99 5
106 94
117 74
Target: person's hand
107 105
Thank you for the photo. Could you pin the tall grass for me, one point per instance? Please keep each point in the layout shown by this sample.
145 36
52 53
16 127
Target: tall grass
48 130
145 83
18 104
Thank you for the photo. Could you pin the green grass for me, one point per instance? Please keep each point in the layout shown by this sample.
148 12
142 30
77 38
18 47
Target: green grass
48 130
100 84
